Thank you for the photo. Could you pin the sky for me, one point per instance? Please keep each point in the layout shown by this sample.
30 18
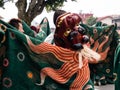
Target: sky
97 7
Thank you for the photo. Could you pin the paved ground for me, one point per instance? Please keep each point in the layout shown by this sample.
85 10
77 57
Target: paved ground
105 87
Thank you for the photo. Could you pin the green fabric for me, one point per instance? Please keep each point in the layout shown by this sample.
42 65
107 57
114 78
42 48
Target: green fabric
27 29
117 65
21 66
117 68
2 52
45 26
41 35
102 72
16 61
44 30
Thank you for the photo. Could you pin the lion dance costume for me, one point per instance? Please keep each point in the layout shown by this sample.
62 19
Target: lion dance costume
29 63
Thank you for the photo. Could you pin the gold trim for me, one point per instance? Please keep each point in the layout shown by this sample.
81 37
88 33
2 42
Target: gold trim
60 18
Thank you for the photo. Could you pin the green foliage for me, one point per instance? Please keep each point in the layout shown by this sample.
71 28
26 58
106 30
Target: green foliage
91 21
1 3
54 4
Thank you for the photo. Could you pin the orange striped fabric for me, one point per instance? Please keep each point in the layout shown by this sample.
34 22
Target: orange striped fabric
68 69
62 54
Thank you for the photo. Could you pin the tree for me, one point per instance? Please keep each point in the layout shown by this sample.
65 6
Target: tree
29 9
91 20
2 2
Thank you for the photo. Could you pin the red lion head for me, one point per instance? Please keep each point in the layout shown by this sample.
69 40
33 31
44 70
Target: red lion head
69 34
